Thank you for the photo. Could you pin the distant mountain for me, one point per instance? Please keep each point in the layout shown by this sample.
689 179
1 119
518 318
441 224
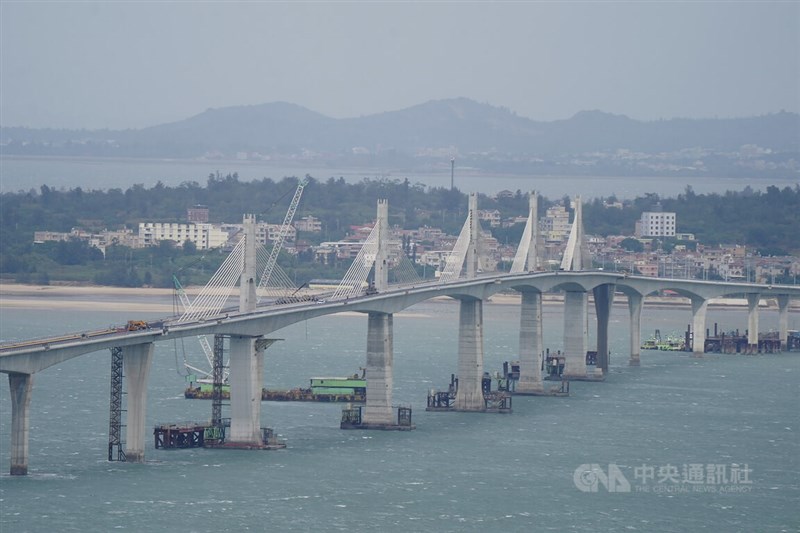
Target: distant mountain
470 127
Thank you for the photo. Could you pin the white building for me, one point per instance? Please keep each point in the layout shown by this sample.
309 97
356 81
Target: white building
555 226
204 236
657 224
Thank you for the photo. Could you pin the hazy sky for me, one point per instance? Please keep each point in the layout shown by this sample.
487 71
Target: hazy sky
133 64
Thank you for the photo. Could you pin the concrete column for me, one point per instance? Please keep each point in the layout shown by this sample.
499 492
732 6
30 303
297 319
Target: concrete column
380 355
603 300
533 249
635 310
474 225
783 320
470 356
752 322
699 308
245 380
530 343
575 334
247 284
137 360
20 386
382 256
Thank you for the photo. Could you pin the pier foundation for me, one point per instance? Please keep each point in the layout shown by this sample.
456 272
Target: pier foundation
699 308
575 334
469 396
21 386
530 345
137 360
246 371
752 323
783 321
380 377
603 300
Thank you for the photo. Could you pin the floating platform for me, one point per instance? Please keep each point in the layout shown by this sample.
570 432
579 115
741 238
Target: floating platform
292 395
351 419
351 389
204 435
497 401
561 391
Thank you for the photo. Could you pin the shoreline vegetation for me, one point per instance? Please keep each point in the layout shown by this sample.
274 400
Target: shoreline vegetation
83 298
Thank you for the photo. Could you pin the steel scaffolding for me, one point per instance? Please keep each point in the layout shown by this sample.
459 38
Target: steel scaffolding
115 443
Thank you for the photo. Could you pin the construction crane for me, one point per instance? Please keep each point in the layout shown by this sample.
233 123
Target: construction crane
278 245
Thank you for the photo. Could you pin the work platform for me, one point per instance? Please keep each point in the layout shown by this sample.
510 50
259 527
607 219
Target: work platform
352 419
497 401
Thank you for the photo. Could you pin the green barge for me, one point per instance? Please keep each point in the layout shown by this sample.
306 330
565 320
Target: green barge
322 389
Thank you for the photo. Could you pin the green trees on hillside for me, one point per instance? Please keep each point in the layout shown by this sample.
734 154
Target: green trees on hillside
767 221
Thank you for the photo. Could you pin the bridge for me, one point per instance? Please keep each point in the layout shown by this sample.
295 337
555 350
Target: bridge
246 326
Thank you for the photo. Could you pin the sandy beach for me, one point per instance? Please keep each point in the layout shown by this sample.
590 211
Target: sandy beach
103 298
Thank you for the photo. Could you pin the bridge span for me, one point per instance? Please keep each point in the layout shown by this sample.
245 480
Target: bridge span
246 327
22 360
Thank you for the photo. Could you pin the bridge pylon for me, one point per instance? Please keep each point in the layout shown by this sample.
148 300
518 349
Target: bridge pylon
527 256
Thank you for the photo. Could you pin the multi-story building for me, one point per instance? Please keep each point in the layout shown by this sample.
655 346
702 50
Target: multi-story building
204 236
197 214
657 224
309 224
492 216
555 226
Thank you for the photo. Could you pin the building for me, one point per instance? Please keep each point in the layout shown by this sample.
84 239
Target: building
555 226
492 216
204 236
309 224
197 214
656 224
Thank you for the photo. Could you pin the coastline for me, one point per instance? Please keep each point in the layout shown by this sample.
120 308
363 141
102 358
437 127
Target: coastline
83 297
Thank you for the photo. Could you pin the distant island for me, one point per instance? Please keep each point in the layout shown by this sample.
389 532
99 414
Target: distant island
425 137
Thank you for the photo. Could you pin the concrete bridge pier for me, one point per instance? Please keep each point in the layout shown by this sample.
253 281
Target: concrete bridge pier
603 300
575 334
469 396
21 386
247 369
137 360
783 320
380 355
699 308
752 323
635 310
530 344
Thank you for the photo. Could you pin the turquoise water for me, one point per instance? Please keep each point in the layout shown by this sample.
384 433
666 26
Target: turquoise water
456 472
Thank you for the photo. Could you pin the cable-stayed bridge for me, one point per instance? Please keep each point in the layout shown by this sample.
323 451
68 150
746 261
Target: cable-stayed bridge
263 307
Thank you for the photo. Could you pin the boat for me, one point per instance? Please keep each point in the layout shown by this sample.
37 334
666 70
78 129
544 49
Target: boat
670 343
321 389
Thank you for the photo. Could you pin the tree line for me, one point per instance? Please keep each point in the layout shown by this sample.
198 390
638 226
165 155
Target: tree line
767 221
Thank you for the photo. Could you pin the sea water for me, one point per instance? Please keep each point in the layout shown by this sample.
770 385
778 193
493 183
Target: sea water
20 173
610 457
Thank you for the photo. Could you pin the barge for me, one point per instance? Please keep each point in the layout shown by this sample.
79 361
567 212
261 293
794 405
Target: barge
350 389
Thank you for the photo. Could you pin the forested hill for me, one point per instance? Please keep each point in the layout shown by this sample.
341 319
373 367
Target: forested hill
465 125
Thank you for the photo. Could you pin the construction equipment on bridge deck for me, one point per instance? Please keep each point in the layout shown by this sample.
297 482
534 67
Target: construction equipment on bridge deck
351 419
497 401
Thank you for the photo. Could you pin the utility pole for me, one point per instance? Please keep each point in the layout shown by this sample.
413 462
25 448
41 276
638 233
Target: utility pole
452 171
